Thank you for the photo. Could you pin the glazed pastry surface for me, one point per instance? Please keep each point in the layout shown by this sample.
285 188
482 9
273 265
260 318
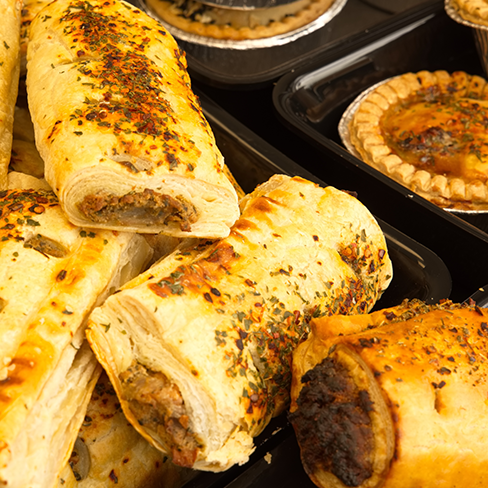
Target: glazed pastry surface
198 348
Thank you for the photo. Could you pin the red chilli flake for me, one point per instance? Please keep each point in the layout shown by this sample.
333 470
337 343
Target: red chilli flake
61 275
207 297
113 476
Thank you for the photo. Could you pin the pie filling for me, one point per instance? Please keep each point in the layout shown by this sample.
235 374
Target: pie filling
238 24
440 134
206 14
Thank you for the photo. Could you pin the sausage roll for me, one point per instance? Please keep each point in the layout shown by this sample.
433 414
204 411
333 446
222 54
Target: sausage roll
198 348
123 137
109 451
9 79
52 275
394 399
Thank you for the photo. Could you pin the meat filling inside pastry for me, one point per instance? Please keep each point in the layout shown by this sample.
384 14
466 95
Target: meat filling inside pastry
396 398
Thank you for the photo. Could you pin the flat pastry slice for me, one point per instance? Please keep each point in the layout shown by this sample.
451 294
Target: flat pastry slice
237 24
52 275
198 348
124 141
396 398
427 130
9 79
108 450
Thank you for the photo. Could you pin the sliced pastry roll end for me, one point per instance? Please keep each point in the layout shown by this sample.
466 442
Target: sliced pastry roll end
398 400
125 142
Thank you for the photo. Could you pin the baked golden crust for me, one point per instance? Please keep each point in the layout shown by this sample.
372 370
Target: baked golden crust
237 25
52 274
123 137
427 131
475 11
198 347
407 386
9 79
30 8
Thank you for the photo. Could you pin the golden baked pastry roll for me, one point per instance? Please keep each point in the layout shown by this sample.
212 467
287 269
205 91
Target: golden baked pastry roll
52 275
30 8
397 400
9 79
109 451
198 348
122 135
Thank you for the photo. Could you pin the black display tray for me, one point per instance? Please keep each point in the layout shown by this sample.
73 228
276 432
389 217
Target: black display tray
418 273
313 98
480 296
249 68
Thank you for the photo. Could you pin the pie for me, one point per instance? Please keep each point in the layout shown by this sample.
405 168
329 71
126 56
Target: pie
428 131
237 24
475 11
198 348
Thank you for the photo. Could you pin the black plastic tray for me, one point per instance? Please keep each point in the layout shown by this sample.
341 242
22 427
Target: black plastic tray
418 273
312 99
235 68
480 296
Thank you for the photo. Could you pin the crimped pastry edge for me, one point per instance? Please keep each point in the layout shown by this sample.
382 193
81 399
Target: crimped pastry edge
359 131
236 40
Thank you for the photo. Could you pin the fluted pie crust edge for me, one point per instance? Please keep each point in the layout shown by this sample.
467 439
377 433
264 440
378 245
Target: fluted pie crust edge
475 11
366 136
208 24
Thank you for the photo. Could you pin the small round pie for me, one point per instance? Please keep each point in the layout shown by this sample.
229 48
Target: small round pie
475 11
429 132
204 20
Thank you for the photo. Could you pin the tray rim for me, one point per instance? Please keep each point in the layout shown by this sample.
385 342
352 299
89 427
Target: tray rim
287 86
266 77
